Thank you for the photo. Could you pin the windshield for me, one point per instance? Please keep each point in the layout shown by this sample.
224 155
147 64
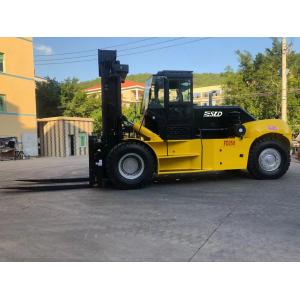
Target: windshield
146 97
153 93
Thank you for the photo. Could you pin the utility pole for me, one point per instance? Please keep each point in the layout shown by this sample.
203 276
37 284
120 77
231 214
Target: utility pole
284 82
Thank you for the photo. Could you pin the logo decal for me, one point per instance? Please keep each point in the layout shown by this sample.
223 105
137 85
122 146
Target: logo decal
212 114
272 127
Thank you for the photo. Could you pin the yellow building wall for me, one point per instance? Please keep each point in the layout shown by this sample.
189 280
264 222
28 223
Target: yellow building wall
128 96
202 100
18 85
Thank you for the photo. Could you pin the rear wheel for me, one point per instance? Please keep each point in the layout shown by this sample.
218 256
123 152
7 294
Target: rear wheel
269 158
130 165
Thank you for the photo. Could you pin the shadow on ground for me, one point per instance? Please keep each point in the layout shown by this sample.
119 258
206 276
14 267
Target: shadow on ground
48 185
60 184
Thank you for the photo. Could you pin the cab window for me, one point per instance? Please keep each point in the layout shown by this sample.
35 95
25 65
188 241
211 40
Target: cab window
180 91
157 94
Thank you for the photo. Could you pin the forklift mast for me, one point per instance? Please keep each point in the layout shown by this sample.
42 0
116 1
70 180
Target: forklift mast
112 74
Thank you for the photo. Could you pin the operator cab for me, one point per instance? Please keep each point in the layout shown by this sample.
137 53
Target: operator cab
168 104
168 110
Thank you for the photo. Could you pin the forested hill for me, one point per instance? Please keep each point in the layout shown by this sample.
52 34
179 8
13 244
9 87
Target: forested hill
206 79
200 79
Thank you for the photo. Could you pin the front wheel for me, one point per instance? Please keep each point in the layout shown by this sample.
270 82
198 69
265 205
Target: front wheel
130 165
269 158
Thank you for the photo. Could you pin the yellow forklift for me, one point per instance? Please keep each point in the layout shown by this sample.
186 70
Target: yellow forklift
175 136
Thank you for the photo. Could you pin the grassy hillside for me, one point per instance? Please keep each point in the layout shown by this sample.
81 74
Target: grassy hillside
89 83
142 77
200 79
206 79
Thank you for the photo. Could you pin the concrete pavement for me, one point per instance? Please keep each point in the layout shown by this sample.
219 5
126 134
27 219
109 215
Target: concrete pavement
47 213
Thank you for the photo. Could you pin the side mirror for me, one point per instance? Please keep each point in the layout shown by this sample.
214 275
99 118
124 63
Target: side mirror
234 121
239 130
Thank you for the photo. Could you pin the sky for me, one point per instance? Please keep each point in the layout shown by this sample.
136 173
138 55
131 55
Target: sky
201 55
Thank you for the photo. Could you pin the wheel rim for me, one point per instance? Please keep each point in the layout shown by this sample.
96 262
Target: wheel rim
269 159
131 166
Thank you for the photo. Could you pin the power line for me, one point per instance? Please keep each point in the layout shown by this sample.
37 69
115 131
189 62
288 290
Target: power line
158 43
66 62
160 48
121 50
57 59
89 50
127 54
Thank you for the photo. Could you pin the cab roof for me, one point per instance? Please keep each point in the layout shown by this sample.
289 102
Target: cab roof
175 73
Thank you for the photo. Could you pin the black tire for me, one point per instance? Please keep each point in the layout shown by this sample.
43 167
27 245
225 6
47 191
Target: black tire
142 158
278 146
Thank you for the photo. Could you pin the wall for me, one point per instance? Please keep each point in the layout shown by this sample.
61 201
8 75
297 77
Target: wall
128 95
17 84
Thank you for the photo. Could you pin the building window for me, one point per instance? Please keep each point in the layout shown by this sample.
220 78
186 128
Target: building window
2 103
82 140
218 92
1 62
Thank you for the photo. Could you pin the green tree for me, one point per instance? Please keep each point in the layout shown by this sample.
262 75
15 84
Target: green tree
132 112
77 104
256 85
71 95
294 91
48 98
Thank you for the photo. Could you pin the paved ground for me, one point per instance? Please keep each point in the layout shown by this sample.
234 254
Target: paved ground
214 217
